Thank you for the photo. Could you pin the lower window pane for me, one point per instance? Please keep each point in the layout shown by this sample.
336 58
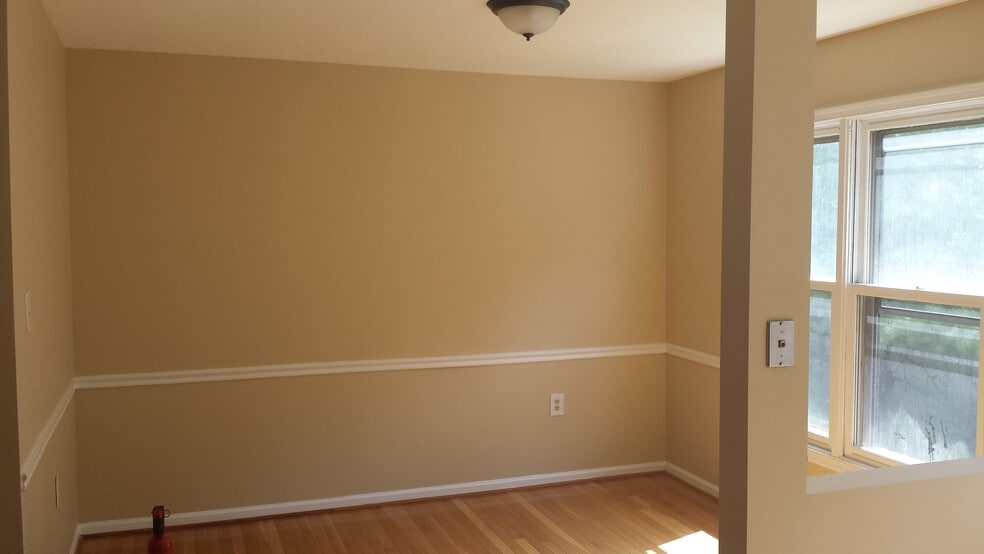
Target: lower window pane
819 409
919 380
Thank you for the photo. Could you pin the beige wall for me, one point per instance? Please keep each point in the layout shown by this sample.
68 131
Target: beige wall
765 268
221 445
47 528
932 50
239 212
232 212
896 517
40 215
694 212
692 414
947 45
41 264
844 73
937 515
11 529
693 258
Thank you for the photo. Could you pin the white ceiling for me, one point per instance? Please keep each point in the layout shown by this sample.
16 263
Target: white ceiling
643 40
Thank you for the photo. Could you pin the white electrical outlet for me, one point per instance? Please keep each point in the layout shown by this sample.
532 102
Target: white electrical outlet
557 404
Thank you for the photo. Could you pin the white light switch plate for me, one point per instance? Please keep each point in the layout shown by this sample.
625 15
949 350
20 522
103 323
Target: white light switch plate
781 343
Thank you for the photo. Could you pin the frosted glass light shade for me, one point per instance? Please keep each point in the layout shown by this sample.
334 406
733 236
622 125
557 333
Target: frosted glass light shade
528 18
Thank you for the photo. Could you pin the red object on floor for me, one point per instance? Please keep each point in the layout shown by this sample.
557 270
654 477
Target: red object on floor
159 543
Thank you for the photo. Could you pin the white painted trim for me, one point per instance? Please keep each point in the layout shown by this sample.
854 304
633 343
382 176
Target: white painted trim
827 460
30 464
703 358
362 366
693 480
887 476
956 97
75 540
268 510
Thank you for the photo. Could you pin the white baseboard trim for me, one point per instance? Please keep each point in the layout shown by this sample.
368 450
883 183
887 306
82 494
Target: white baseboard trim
284 508
692 480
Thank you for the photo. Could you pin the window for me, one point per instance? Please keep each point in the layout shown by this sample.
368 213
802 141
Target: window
897 286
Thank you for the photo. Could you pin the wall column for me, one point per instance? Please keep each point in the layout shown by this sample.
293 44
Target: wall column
769 103
11 530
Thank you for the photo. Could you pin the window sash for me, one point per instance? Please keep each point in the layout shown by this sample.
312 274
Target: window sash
851 325
854 264
882 361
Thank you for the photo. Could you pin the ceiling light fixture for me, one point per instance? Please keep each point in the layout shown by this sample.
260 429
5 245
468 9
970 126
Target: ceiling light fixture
528 17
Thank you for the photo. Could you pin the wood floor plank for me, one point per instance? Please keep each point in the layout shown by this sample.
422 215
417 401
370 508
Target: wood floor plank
547 522
463 533
272 536
482 525
328 525
624 514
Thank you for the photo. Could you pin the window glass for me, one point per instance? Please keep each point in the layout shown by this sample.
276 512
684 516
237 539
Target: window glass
819 404
928 201
823 238
919 371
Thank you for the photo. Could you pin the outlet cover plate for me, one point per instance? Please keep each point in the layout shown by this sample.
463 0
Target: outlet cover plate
556 404
781 350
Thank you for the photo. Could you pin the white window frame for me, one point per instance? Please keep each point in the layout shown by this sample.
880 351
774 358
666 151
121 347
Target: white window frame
854 125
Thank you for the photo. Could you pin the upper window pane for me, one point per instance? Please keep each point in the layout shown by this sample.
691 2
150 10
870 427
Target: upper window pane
928 207
823 239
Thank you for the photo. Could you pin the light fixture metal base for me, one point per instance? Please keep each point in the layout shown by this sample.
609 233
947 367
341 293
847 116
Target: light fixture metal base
528 17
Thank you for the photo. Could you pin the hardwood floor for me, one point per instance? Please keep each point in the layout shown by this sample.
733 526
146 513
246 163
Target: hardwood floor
623 514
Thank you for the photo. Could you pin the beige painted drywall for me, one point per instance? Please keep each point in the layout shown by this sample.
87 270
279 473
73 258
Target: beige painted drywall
11 529
118 364
231 212
693 244
692 413
694 187
40 215
768 137
47 528
221 445
693 258
936 515
846 72
932 50
41 252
